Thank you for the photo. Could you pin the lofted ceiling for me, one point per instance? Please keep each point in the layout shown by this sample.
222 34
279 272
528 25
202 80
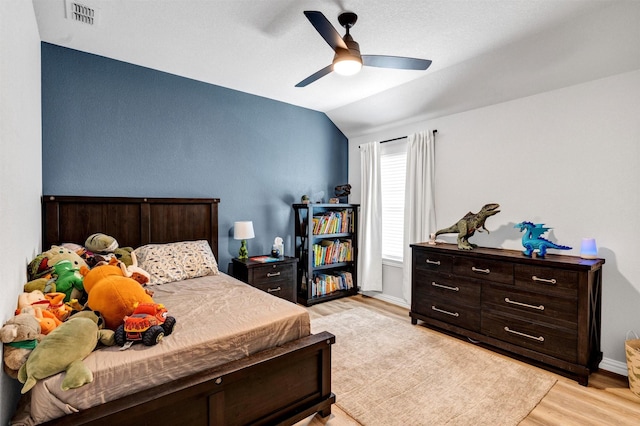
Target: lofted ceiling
483 51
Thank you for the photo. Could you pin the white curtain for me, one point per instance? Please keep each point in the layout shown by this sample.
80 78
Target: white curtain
419 206
370 241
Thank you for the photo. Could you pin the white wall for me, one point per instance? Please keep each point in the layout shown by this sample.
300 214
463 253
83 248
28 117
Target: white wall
567 158
20 162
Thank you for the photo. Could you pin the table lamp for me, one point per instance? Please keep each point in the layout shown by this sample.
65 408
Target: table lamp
243 231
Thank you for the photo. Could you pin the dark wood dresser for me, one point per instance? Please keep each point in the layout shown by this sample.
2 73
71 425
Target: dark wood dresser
276 278
543 310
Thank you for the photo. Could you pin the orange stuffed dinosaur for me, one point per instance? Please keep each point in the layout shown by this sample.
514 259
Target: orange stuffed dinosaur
111 293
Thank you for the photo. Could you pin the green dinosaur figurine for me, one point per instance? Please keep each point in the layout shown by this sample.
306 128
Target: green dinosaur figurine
469 224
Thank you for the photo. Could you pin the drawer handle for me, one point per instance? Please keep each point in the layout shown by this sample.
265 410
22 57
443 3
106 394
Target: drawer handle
446 287
433 262
275 274
539 338
273 290
526 305
483 271
453 314
544 280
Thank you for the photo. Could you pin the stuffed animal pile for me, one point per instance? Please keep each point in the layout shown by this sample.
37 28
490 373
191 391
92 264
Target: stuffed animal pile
72 292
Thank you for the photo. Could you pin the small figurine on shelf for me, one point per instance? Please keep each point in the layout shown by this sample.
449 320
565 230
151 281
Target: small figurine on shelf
304 199
343 191
532 240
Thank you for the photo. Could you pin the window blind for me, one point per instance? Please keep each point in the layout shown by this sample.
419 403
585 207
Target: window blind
393 158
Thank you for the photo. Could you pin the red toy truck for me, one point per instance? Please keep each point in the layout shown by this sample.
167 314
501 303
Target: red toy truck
148 323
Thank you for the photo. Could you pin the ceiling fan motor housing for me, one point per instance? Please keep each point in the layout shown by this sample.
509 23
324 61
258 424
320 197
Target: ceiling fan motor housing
353 51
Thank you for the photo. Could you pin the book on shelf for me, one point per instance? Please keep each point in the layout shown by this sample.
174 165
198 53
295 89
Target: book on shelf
264 259
332 251
333 222
324 284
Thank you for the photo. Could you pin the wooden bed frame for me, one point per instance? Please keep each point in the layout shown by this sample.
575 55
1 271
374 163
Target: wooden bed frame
281 385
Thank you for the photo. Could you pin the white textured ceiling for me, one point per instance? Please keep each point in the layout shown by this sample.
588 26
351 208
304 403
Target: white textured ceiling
483 51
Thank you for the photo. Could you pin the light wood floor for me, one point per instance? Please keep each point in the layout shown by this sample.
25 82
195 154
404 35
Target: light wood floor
606 401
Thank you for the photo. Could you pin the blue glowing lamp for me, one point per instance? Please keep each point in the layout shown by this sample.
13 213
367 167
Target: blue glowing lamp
588 249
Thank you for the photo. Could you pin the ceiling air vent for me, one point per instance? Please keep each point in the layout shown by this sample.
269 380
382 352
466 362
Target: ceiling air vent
82 12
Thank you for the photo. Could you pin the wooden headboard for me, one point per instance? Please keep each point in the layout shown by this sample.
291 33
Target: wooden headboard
133 222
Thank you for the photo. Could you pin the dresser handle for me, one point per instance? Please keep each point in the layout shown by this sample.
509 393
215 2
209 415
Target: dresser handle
544 280
484 271
275 274
433 262
446 287
453 314
539 338
526 305
272 290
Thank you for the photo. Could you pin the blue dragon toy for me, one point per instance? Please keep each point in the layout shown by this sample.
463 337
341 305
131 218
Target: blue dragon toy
532 240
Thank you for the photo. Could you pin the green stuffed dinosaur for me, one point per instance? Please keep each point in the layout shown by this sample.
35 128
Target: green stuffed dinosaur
68 279
64 349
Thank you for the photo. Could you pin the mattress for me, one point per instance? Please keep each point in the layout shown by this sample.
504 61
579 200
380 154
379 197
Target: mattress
218 319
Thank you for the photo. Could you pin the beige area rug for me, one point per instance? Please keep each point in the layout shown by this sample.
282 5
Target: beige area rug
389 372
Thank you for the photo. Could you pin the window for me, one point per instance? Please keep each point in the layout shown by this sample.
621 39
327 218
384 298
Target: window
393 163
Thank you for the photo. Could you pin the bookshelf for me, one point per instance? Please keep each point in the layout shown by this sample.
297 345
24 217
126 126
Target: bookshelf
326 246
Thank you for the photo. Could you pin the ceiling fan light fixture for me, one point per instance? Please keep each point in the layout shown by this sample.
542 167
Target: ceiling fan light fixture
347 59
347 64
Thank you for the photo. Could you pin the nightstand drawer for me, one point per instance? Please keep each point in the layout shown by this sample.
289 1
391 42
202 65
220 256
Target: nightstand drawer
264 275
276 277
280 288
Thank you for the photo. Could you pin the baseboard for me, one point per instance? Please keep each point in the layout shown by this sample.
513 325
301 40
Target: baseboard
389 299
608 364
614 366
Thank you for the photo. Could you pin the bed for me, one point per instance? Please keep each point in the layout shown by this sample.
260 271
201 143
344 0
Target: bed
254 363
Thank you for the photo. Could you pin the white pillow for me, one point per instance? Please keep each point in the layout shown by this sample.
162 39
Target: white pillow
171 262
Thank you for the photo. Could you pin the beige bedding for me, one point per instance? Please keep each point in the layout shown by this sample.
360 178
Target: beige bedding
219 319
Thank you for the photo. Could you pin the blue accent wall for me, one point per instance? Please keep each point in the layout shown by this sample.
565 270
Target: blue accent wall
111 128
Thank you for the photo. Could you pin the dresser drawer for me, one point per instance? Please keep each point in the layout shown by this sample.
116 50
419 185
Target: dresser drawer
268 274
532 306
549 280
429 261
448 287
557 342
452 313
445 309
491 270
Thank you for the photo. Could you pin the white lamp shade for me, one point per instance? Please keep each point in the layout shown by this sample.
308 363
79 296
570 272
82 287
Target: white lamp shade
588 249
243 230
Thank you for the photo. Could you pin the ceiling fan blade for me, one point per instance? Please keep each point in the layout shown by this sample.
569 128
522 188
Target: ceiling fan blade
326 30
315 76
397 62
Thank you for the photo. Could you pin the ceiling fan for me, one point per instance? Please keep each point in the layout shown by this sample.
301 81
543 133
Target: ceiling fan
347 59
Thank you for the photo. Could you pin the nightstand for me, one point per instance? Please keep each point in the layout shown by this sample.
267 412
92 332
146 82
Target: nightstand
274 277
